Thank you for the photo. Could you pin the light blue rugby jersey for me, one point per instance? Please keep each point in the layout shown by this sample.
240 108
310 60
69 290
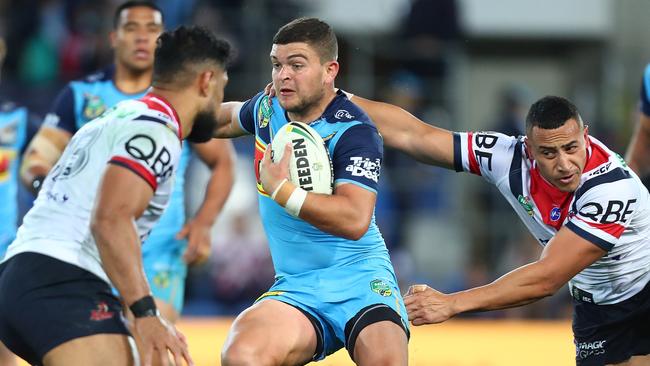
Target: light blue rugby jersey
645 91
356 150
84 100
13 136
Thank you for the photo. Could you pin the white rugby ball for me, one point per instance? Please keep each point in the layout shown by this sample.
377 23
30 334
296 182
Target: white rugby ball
310 166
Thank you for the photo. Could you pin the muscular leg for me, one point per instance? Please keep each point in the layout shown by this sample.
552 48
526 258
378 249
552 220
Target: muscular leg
270 333
6 357
96 350
381 344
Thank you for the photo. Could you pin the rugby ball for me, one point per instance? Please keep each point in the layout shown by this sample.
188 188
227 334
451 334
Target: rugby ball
310 167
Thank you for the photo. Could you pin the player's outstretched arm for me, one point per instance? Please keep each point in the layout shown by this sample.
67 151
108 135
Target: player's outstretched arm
219 156
122 198
638 153
403 131
228 121
42 153
563 257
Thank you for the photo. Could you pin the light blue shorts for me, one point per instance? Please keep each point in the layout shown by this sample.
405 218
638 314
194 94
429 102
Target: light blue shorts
334 296
165 269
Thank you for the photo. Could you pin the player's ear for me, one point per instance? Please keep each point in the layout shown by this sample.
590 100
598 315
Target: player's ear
586 136
331 70
204 82
112 37
527 147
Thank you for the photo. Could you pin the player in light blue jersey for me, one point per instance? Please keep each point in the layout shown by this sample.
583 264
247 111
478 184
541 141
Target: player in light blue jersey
335 285
638 154
175 241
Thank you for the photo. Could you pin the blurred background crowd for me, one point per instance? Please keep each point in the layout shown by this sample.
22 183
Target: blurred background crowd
458 64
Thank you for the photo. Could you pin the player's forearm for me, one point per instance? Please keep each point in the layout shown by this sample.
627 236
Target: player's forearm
228 121
522 286
403 131
638 154
119 249
43 152
335 215
217 191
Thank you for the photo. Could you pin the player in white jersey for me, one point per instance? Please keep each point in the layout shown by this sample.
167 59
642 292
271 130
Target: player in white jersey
96 206
582 203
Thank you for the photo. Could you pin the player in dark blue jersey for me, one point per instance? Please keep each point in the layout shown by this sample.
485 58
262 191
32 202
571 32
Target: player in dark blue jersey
335 285
638 154
137 24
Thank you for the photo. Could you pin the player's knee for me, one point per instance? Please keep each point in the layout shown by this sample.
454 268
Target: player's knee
241 354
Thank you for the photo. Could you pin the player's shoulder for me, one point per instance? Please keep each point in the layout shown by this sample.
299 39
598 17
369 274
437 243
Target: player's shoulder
99 76
343 110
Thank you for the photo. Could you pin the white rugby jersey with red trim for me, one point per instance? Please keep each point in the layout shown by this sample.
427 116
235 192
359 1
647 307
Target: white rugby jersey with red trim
610 208
140 135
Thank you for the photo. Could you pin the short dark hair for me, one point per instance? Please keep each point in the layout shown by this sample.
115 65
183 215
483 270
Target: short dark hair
178 50
312 31
133 4
551 112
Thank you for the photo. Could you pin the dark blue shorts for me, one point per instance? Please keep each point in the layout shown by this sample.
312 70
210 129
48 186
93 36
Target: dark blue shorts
608 334
45 302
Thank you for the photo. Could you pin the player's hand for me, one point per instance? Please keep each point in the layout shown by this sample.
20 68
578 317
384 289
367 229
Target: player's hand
272 174
427 306
157 335
269 90
199 243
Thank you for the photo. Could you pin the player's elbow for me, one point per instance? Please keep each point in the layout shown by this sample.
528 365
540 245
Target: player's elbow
357 230
101 225
549 286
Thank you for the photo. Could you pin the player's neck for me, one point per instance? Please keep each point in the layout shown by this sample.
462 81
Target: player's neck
131 82
315 111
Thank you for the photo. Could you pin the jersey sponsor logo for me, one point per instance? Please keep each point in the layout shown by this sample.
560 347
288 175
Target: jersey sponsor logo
588 349
264 112
482 141
380 287
143 147
600 170
93 106
615 211
342 113
364 167
555 214
525 203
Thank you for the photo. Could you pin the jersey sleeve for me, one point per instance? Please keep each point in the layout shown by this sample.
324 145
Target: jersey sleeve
645 89
61 114
488 154
247 114
150 150
604 211
358 152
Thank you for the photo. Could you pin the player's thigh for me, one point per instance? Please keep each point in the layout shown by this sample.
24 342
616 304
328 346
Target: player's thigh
273 332
95 350
381 343
6 357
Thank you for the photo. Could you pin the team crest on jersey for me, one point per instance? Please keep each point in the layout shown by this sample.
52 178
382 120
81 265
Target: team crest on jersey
9 133
556 213
93 106
161 279
264 112
380 287
525 203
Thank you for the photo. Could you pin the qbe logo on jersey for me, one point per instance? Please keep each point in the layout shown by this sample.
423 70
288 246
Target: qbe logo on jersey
364 167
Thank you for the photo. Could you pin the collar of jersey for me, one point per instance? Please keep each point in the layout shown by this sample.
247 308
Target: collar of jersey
160 104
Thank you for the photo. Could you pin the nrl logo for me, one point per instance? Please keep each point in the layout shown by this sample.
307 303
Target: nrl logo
381 288
525 203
